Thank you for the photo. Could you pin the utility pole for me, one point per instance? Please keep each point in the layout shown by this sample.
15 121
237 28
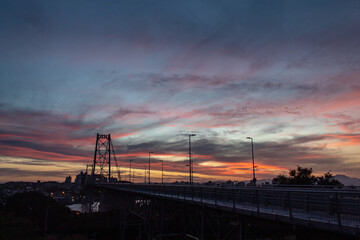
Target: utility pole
145 175
130 170
149 167
253 161
162 171
190 160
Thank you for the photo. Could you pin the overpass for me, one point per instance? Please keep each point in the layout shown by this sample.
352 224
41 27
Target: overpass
329 210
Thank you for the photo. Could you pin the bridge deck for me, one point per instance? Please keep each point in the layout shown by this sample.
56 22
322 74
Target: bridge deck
324 209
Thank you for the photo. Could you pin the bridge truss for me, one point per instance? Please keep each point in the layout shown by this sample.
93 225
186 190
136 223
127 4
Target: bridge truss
104 155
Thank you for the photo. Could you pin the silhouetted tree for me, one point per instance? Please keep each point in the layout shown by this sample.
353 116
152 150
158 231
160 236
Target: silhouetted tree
281 179
328 179
303 176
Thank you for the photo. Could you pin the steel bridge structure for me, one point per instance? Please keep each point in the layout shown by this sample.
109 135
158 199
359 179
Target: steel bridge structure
328 210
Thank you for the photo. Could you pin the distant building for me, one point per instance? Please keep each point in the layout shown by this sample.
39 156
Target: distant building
81 179
68 180
37 188
113 180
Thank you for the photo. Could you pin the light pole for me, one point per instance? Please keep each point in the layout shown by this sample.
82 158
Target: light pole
162 171
149 167
145 175
133 173
130 170
253 162
190 161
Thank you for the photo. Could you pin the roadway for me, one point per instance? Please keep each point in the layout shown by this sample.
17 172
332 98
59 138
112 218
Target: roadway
329 210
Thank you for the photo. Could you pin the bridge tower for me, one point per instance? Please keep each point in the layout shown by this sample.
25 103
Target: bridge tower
104 153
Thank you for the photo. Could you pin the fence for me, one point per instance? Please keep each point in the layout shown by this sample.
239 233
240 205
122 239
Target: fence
335 207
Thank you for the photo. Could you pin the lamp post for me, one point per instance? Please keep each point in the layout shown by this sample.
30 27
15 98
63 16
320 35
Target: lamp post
162 171
190 160
149 167
145 175
253 162
130 170
133 173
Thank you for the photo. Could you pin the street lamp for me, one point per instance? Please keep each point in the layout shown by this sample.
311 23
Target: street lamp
252 151
149 167
145 175
190 161
133 173
162 171
130 161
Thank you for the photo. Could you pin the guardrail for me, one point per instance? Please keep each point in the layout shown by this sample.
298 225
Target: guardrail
334 207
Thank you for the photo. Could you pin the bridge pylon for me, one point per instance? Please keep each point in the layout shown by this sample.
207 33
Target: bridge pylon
103 156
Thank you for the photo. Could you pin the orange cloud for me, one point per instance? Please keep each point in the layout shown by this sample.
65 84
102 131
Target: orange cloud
346 139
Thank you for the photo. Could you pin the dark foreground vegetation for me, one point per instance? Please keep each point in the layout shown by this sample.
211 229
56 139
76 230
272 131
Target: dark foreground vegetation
31 215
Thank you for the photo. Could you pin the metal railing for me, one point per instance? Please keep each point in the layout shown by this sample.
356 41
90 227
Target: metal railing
335 207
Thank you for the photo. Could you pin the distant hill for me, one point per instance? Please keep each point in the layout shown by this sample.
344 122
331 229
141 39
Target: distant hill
347 181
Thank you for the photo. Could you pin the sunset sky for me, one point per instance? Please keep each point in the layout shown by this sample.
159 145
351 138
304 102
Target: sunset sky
286 73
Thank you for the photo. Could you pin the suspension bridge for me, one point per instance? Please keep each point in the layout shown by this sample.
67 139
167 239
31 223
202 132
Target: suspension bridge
330 210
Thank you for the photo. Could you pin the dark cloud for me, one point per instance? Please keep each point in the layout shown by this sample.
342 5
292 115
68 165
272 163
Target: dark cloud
19 173
43 146
31 162
225 87
285 153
